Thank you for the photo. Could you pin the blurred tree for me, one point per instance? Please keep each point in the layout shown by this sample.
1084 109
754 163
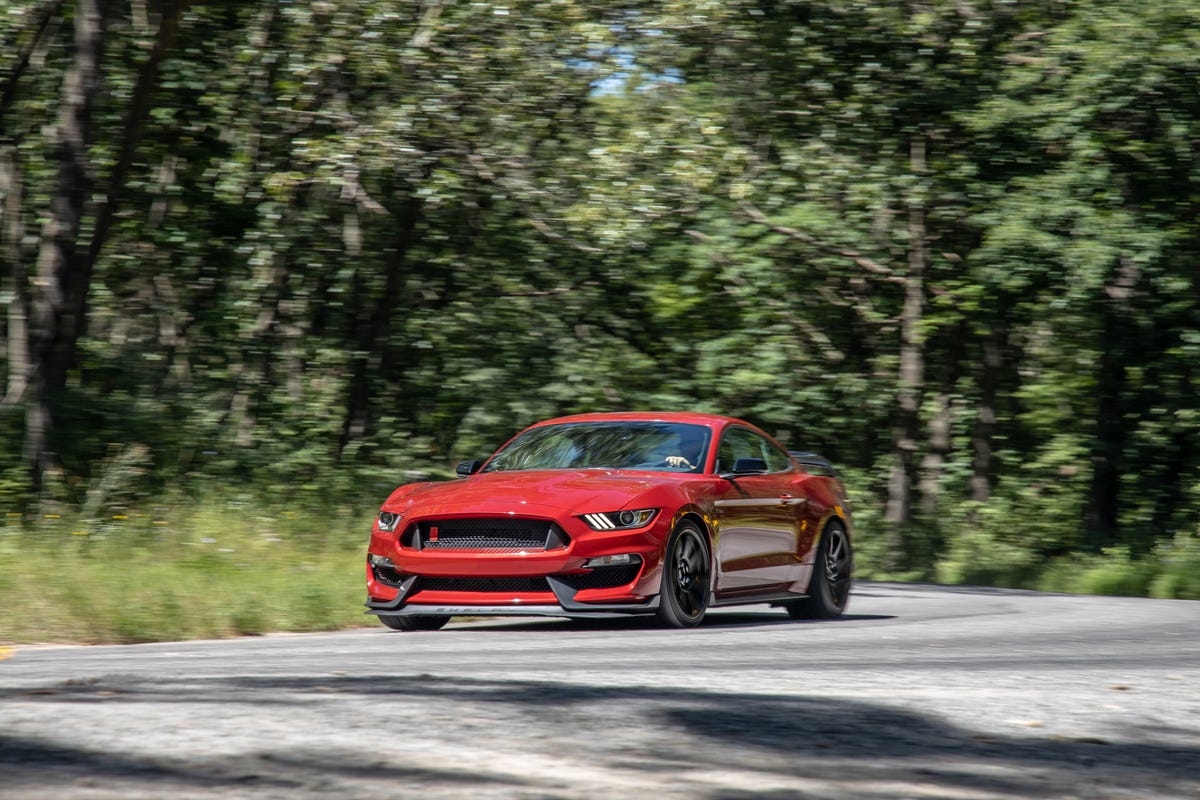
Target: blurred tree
1096 167
59 300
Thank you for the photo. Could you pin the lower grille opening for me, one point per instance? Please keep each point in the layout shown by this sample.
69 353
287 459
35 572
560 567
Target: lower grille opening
506 585
387 576
602 577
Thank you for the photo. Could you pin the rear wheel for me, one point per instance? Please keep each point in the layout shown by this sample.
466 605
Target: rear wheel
686 571
829 586
424 622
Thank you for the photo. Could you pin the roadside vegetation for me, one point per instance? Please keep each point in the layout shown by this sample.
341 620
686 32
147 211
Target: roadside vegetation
209 569
265 256
230 566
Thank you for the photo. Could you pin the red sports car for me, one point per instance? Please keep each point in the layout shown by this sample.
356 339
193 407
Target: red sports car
604 515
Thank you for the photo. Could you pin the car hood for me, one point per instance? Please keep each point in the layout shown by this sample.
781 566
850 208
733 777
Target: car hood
577 491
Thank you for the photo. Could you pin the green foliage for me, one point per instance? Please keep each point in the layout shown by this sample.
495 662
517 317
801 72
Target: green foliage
1179 577
1112 572
1169 572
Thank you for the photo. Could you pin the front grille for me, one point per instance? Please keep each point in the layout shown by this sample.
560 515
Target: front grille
602 577
507 585
387 576
505 534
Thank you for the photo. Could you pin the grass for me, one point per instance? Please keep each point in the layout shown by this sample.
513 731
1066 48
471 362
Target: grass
214 571
1171 571
233 568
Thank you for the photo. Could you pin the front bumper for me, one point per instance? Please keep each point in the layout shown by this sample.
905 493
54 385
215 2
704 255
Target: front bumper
549 582
565 605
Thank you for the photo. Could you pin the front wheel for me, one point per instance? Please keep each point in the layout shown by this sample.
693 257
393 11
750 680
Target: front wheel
686 573
829 586
424 622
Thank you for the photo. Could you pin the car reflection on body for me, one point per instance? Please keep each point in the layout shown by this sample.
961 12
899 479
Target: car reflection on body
610 515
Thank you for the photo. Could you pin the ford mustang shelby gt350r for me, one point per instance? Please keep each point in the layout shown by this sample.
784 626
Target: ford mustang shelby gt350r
616 514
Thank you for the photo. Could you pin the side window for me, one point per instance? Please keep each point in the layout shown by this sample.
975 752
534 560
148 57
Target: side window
777 460
741 443
725 455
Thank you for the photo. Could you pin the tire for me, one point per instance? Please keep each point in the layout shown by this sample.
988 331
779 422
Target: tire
424 622
686 578
829 586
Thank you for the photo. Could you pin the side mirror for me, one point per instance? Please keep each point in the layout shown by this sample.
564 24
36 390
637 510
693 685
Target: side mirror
467 468
746 466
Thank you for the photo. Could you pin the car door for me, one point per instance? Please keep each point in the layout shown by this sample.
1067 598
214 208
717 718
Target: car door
758 517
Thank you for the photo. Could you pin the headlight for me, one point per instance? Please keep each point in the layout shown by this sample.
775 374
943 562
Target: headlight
388 521
620 520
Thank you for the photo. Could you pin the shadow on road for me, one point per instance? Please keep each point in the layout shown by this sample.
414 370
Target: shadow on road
60 771
723 619
648 731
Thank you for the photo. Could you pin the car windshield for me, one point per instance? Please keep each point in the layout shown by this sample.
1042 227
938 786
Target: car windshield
660 446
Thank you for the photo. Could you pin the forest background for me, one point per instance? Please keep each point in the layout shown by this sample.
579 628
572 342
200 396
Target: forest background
264 260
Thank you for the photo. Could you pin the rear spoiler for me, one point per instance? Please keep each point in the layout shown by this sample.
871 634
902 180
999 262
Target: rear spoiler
817 465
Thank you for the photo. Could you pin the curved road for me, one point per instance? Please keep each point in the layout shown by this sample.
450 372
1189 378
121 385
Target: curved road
920 692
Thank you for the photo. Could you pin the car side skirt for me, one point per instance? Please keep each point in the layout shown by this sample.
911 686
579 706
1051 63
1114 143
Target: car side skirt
776 599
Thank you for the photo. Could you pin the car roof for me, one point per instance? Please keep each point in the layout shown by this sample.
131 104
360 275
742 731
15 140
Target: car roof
693 417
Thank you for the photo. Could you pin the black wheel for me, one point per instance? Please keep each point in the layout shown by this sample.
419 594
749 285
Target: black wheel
425 622
686 570
829 586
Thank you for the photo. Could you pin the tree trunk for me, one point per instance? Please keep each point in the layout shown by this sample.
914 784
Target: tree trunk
938 445
131 135
12 231
1102 509
8 91
985 419
60 288
12 223
1108 448
372 325
911 378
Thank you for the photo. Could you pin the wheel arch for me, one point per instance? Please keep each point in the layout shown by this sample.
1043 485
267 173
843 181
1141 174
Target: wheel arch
847 528
843 516
833 516
836 514
684 599
704 522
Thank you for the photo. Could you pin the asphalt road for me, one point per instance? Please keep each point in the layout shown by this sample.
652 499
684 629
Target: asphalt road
919 692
